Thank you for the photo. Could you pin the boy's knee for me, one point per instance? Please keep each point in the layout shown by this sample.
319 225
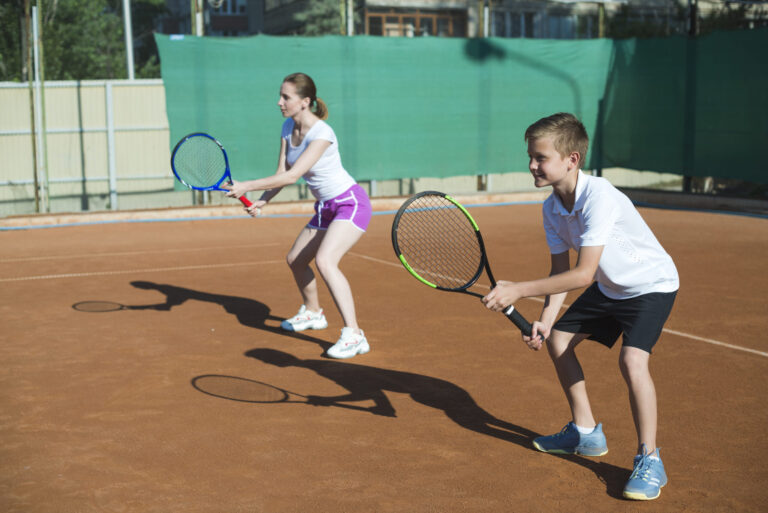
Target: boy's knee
633 362
559 342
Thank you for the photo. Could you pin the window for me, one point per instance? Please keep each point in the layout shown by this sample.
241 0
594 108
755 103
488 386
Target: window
415 22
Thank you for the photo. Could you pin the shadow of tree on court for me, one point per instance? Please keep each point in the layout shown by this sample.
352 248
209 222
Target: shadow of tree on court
248 312
366 383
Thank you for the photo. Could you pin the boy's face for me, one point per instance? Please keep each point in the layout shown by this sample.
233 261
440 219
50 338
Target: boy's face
546 165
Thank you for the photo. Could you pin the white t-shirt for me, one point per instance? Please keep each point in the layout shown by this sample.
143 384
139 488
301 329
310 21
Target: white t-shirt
633 262
327 178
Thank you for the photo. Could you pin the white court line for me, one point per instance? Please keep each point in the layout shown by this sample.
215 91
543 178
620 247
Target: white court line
126 253
565 305
136 271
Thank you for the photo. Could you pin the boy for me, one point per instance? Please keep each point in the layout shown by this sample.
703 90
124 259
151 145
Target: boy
635 283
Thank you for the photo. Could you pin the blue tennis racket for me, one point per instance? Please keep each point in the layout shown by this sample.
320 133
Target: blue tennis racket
200 162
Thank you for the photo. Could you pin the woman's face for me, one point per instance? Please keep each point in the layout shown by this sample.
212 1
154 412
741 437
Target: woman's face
290 104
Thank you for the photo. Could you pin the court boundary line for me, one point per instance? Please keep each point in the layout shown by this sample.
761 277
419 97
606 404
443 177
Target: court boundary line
359 255
127 253
129 271
565 305
637 203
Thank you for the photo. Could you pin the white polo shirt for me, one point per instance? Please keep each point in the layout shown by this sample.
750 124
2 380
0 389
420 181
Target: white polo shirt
633 262
327 178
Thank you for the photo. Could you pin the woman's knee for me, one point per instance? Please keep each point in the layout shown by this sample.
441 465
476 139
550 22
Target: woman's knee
326 264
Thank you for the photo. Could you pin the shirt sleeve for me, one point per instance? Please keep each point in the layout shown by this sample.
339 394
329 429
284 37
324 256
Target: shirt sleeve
324 133
600 215
285 133
556 243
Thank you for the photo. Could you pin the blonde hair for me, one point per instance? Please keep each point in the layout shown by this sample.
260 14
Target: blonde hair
305 88
567 132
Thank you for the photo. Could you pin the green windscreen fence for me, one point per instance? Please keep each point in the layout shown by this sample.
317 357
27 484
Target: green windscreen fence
439 107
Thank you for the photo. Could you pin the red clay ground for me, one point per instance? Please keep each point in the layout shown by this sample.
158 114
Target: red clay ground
99 412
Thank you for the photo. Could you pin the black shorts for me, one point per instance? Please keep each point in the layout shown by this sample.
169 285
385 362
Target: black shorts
640 318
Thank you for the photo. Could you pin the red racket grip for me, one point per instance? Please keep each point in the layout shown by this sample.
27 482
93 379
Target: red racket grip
245 201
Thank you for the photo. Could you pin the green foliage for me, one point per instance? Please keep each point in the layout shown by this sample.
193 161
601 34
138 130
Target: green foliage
82 39
733 17
326 17
631 21
321 17
11 19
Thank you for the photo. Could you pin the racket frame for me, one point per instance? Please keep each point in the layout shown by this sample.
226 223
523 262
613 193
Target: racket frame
512 314
227 176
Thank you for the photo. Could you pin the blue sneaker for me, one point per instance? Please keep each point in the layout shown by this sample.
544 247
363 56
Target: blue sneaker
647 477
570 441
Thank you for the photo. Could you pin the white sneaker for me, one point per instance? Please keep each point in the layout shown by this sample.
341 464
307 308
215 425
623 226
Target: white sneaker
349 345
305 320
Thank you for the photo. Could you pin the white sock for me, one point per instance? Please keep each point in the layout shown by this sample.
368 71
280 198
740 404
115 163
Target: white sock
583 430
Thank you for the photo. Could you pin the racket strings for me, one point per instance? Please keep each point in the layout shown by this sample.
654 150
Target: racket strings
439 242
199 162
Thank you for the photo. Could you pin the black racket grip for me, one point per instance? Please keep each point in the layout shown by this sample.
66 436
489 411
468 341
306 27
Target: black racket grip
519 321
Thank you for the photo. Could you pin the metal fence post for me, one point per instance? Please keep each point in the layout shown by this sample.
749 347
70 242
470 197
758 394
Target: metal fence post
111 147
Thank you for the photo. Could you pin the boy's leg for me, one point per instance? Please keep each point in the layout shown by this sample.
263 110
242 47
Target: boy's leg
642 395
583 435
561 346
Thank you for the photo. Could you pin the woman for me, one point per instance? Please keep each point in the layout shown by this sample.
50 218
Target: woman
309 150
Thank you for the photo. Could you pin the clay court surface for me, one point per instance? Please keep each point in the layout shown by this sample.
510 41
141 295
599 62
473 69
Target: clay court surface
152 408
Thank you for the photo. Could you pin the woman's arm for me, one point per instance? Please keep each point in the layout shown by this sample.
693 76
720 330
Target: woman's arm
304 163
271 193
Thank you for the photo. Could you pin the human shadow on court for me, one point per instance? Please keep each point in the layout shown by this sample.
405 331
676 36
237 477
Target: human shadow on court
366 383
248 312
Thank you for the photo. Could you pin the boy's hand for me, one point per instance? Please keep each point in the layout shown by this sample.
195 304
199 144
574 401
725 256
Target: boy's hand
539 333
505 293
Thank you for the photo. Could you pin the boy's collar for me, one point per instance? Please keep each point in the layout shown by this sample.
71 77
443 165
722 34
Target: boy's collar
578 202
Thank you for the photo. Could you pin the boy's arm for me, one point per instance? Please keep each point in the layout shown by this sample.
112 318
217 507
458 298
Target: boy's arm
508 293
553 302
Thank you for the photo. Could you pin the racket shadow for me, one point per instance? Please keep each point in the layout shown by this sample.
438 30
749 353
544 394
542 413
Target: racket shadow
366 383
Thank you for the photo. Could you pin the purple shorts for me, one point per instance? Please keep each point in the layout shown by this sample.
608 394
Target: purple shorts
351 205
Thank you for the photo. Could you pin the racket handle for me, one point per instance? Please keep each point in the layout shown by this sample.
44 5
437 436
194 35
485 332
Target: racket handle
245 201
519 321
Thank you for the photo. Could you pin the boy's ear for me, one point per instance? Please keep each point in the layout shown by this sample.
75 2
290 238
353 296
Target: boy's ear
574 158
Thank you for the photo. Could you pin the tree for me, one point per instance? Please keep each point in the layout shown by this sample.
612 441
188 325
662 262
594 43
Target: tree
82 39
324 17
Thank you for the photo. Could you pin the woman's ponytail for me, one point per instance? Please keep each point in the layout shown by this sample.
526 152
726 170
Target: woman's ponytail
321 109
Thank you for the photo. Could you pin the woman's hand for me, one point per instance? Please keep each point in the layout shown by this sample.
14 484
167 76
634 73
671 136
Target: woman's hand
236 189
255 209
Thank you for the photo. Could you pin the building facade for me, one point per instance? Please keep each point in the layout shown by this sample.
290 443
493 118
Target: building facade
551 19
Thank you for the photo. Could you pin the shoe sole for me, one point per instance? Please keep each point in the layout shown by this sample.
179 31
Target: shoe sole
304 328
598 452
362 350
637 496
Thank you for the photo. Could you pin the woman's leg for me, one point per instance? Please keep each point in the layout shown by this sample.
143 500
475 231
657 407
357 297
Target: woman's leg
338 239
299 257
